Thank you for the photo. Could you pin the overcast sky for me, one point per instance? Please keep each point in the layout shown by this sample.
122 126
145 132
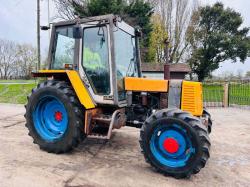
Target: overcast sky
18 23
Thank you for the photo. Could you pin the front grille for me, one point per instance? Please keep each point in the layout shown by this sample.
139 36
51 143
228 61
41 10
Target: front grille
192 98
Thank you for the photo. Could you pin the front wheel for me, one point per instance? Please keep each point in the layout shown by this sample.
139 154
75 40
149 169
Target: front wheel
175 143
208 120
54 117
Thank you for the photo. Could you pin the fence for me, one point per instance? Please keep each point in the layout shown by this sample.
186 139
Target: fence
225 94
215 94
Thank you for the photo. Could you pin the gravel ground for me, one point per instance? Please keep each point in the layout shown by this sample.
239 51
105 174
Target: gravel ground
119 162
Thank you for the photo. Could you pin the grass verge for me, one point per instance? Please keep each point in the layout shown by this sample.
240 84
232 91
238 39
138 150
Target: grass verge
15 93
18 81
239 93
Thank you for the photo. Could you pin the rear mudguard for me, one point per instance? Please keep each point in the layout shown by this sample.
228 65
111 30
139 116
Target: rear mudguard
76 82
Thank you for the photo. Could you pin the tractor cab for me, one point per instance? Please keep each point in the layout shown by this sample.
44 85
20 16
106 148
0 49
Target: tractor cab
104 50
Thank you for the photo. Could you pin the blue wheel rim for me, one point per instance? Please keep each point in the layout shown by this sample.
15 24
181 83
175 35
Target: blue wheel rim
50 118
175 159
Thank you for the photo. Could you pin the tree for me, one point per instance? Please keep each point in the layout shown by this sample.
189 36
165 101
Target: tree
157 39
7 58
65 8
218 37
135 12
26 60
98 7
239 74
16 60
138 13
248 74
176 17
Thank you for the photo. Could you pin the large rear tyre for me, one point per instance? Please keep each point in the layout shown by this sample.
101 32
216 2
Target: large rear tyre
175 143
54 117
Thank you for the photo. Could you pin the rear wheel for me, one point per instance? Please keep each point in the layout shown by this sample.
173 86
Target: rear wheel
54 117
175 143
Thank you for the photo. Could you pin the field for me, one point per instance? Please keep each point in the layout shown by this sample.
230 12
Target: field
17 81
15 93
239 93
212 92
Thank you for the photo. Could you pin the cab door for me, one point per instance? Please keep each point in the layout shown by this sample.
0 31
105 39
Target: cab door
96 62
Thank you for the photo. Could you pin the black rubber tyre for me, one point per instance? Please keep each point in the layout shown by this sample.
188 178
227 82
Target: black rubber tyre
194 128
207 115
74 133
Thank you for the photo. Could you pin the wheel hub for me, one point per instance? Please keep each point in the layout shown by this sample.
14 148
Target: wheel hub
58 116
50 118
171 145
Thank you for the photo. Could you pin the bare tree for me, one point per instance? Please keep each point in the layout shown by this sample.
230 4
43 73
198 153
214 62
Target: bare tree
16 60
65 8
7 58
26 60
176 16
239 74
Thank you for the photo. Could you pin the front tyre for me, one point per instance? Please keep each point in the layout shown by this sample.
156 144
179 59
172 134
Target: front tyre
207 116
175 143
54 117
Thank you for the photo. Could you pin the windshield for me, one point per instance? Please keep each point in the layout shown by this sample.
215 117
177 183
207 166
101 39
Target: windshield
63 51
125 57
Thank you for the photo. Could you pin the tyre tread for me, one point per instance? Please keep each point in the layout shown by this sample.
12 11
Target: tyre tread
195 123
78 134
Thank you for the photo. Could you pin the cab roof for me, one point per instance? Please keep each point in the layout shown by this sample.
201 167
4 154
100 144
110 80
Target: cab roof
102 18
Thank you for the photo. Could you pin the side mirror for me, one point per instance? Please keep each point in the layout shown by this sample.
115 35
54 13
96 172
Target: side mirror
77 32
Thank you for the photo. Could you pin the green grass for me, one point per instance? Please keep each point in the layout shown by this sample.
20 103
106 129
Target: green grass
212 92
239 94
16 94
18 81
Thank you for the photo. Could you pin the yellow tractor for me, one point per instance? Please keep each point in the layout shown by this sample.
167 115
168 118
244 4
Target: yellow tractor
94 85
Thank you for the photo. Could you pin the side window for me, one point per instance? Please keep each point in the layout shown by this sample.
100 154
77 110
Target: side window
96 59
64 47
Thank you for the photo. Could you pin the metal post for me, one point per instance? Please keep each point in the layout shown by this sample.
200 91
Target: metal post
38 36
48 13
49 18
139 57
